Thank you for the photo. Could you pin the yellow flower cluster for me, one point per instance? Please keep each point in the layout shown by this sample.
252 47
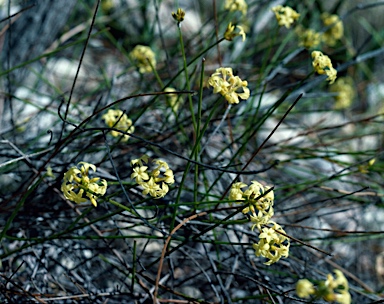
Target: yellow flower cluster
78 187
179 15
285 15
119 120
331 290
236 5
345 91
230 32
172 99
323 65
335 30
308 38
224 82
273 244
144 58
150 181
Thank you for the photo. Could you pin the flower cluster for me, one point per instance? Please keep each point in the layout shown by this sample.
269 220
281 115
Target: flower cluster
308 38
273 243
230 32
172 99
144 58
335 31
179 15
236 5
151 181
79 188
119 120
323 65
331 290
285 15
345 91
224 82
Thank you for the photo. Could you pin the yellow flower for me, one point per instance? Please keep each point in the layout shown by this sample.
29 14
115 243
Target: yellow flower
119 120
345 91
230 32
236 5
224 82
78 187
323 65
144 58
179 15
172 99
150 181
308 38
335 30
272 245
285 15
304 288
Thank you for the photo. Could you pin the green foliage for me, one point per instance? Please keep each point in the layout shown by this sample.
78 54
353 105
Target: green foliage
190 242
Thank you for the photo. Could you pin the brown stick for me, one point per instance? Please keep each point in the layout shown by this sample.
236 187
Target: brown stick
155 301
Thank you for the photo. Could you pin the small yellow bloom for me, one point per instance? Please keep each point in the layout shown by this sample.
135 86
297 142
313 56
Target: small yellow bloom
236 5
151 181
144 58
336 30
230 32
172 99
308 38
78 187
345 90
304 288
272 245
285 15
224 82
179 15
119 120
323 65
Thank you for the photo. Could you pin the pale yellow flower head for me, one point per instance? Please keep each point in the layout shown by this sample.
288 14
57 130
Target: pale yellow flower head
304 289
345 92
285 15
79 188
179 15
119 120
260 201
172 99
272 244
231 33
144 58
308 38
156 182
224 82
323 65
236 5
336 30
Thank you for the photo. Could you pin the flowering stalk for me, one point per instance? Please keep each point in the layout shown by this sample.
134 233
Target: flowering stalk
273 243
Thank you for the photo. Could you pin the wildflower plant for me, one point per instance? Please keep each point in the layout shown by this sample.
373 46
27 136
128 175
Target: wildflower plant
78 187
333 289
344 91
236 5
335 28
119 120
322 65
273 243
231 87
144 58
121 69
285 15
156 182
